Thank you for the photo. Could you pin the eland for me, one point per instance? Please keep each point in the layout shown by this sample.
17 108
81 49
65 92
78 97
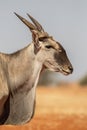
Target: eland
20 72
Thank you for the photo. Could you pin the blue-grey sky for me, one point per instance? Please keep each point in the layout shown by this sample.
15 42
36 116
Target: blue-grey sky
66 20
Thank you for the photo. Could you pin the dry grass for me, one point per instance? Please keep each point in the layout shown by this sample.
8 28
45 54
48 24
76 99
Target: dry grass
61 108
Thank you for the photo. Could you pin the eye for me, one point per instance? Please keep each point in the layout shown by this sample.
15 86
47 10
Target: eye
48 46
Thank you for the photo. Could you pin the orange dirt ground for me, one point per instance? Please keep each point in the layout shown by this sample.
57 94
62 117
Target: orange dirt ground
58 108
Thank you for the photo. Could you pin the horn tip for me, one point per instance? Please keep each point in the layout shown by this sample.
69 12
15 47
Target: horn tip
16 14
21 18
29 15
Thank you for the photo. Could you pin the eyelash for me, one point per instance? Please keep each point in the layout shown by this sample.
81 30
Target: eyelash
48 46
42 39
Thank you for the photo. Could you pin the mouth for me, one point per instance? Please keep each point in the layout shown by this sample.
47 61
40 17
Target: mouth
65 72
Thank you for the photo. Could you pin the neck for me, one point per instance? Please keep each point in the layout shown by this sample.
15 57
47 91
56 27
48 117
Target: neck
24 69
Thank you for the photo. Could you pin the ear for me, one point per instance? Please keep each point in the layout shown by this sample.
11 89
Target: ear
35 38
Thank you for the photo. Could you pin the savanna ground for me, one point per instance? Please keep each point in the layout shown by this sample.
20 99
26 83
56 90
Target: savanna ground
58 108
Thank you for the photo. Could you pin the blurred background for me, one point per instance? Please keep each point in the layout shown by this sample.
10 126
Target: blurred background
64 20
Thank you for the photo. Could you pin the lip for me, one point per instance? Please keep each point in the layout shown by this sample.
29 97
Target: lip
65 72
62 71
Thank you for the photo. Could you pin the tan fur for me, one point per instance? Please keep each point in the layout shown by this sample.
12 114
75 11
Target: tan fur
20 72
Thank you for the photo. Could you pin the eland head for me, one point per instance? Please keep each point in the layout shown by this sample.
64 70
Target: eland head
47 50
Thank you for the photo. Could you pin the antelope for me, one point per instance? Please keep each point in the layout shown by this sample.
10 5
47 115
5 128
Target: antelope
20 72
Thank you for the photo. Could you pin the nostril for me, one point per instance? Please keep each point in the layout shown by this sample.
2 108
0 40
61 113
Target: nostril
70 68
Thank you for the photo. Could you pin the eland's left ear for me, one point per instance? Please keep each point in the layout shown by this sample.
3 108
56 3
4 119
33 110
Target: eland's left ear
36 43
